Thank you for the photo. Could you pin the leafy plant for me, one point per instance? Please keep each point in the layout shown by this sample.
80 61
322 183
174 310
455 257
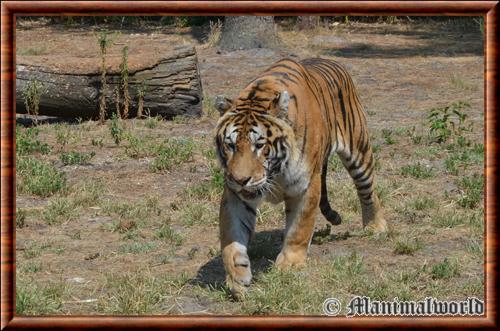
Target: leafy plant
31 95
38 177
445 269
104 40
27 141
387 134
472 191
173 152
117 130
72 158
124 74
63 134
417 171
447 121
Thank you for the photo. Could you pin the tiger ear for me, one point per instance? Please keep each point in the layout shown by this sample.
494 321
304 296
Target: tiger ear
283 100
222 104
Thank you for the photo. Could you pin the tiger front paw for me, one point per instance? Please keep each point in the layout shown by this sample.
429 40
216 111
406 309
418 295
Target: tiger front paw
291 258
377 226
238 271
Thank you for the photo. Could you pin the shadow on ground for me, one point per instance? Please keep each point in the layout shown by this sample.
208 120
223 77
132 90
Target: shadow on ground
459 47
263 250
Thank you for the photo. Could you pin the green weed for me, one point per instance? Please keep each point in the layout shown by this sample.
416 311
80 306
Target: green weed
20 218
152 122
138 247
166 233
63 135
417 171
445 269
139 147
59 210
423 203
32 94
407 245
173 152
38 177
98 142
198 213
72 158
472 191
447 121
32 299
447 220
388 136
117 129
27 141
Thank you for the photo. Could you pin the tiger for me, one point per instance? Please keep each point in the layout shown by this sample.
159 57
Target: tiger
273 143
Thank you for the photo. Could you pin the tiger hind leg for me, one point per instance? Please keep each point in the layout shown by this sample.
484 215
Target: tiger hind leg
360 166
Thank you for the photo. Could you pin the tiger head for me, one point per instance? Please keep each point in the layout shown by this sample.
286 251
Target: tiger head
254 142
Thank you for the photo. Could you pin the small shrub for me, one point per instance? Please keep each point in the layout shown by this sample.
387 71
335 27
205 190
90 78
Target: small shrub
32 267
208 189
180 119
87 193
20 218
34 299
72 158
165 232
472 191
407 246
152 122
59 210
388 137
31 95
38 177
172 153
138 247
198 213
447 121
63 134
417 171
104 39
423 203
139 147
132 293
124 74
445 270
215 33
98 142
117 130
27 142
448 220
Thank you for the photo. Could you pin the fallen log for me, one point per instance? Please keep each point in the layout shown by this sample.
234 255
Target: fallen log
172 85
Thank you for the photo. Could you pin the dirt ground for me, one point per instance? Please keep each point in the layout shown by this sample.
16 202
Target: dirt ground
110 256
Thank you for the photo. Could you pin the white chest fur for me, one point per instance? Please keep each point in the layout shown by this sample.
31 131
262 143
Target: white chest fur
293 182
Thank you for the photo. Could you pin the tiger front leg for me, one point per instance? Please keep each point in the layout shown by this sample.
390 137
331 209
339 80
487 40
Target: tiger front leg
237 222
300 217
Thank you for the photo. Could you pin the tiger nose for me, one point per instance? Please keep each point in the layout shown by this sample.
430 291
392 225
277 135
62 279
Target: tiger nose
243 181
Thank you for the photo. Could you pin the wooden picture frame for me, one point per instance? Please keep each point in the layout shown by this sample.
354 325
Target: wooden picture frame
10 9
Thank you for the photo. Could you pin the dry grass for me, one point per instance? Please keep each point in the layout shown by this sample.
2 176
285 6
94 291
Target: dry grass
112 236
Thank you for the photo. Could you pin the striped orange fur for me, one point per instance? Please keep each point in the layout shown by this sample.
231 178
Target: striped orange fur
273 142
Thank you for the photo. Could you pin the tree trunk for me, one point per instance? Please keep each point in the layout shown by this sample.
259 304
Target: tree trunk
245 32
307 22
172 87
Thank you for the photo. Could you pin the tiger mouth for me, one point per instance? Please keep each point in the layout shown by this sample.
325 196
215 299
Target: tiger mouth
250 195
